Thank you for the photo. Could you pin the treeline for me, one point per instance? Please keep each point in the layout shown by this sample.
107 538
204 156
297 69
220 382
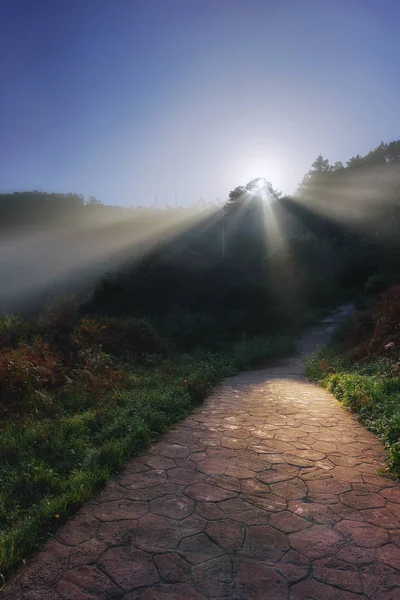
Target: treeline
57 244
261 261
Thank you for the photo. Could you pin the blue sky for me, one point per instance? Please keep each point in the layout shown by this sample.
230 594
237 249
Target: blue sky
125 99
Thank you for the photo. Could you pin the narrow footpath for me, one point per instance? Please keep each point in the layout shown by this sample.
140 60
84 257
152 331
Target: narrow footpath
269 491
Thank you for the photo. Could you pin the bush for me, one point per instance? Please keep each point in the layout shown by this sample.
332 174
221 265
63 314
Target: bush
376 284
13 329
376 331
57 324
26 370
121 337
257 351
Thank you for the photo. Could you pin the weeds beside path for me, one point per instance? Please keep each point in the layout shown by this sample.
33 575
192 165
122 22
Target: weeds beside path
60 443
362 369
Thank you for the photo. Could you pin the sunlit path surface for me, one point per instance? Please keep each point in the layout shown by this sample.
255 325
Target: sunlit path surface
270 490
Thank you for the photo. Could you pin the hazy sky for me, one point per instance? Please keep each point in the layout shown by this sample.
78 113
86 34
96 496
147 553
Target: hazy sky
123 99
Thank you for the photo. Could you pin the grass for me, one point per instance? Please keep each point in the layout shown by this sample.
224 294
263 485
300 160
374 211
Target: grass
67 441
370 388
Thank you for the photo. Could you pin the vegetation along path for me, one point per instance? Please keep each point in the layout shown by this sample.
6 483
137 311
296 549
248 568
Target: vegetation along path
270 490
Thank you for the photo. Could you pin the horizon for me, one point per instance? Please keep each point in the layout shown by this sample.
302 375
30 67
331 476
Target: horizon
130 101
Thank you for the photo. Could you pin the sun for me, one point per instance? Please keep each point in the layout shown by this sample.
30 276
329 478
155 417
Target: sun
264 170
260 183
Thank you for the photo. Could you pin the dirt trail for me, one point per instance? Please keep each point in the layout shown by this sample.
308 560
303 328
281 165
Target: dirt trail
270 490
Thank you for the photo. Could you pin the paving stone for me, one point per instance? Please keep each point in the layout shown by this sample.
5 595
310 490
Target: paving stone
227 534
87 552
312 455
335 572
198 548
328 486
173 451
392 494
314 513
78 530
361 500
244 512
265 543
292 564
172 568
346 512
210 511
255 487
288 522
317 542
91 580
256 581
239 472
174 591
363 534
113 491
231 442
381 517
129 568
290 490
277 473
185 477
378 579
390 555
175 507
316 590
215 577
121 509
191 525
117 533
156 533
66 591
356 555
159 462
268 502
138 481
225 482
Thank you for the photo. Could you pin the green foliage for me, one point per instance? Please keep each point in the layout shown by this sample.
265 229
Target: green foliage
122 337
73 424
365 377
374 398
25 370
14 329
253 352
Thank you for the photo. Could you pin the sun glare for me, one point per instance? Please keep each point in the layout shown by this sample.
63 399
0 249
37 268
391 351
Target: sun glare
263 170
260 183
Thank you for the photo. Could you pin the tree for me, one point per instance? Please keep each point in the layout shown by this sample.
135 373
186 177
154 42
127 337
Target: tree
355 161
94 202
320 165
251 195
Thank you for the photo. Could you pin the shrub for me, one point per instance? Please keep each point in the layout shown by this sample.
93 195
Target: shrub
256 351
26 369
377 330
376 284
121 337
14 329
97 374
57 324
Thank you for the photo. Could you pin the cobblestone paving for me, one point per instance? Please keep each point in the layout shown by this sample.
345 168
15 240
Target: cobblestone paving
269 491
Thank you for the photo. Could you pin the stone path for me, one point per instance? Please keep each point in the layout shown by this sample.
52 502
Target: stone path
269 491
